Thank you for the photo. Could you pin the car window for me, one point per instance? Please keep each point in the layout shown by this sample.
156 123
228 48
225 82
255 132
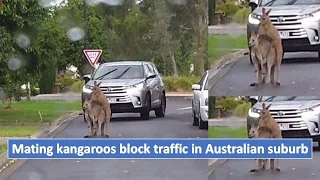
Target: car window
202 79
206 86
150 68
118 72
155 69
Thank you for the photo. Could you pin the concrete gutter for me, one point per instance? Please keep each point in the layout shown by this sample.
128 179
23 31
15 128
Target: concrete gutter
214 164
222 67
50 131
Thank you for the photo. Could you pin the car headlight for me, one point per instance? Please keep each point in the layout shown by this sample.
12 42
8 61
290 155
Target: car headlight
87 89
315 15
254 113
254 110
254 19
206 102
135 87
306 110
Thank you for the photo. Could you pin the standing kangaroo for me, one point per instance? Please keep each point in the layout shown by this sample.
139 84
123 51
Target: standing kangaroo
97 95
266 27
266 120
261 132
96 118
263 56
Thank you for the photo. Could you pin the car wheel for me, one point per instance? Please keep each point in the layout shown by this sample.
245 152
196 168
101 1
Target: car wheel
195 119
202 124
145 114
161 111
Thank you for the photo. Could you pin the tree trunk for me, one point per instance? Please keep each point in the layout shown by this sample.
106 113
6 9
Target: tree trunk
174 65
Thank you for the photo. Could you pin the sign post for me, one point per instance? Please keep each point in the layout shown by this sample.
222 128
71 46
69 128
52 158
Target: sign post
93 56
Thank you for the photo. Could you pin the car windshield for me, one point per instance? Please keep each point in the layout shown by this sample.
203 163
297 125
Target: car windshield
288 98
118 72
288 2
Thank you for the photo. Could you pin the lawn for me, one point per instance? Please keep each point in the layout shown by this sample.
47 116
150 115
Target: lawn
227 132
3 148
220 45
37 111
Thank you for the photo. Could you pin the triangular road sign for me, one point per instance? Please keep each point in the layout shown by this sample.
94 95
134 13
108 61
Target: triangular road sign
92 55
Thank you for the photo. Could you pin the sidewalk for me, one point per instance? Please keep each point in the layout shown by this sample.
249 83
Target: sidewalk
4 140
228 122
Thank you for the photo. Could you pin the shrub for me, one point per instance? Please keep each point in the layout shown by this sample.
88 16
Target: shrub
229 103
35 91
228 8
242 110
180 84
77 86
66 82
241 16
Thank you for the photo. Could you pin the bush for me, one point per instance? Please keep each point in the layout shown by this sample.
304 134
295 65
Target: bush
180 84
228 8
242 110
77 86
66 82
228 103
35 91
241 16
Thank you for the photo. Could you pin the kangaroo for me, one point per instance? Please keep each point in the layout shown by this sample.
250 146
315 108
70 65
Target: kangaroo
266 120
97 95
261 132
263 56
96 118
266 27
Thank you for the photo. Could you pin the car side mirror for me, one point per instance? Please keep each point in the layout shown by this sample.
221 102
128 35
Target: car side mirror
86 78
253 4
150 76
253 101
196 87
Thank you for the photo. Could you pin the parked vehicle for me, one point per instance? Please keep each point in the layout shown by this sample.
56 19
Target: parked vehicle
130 86
200 102
296 21
297 116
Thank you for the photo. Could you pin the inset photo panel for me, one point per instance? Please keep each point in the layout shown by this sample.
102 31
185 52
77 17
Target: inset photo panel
265 117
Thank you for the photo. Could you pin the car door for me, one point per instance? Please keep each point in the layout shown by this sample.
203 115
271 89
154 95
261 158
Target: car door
197 94
151 84
159 84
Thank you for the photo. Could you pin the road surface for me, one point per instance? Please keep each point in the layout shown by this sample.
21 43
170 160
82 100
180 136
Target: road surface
290 170
176 124
299 76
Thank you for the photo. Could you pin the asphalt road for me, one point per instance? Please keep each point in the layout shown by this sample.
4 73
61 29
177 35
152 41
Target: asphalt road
290 170
299 76
176 124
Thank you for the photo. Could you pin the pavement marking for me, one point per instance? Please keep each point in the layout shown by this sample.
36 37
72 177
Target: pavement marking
185 108
125 171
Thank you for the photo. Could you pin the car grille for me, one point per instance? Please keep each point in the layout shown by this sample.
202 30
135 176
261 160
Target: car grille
291 23
292 117
116 92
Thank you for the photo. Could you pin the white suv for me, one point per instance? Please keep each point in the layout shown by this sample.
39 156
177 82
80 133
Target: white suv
200 102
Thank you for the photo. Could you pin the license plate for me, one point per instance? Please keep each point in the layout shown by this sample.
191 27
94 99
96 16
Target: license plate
284 34
112 100
284 126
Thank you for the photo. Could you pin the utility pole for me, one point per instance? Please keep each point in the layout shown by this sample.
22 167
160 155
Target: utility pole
86 68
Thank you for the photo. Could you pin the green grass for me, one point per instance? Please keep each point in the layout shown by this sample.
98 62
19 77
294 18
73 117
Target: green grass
227 132
28 111
221 45
3 148
18 131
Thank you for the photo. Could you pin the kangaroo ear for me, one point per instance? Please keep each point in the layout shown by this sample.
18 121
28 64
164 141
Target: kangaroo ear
99 83
268 106
263 11
95 83
263 106
267 13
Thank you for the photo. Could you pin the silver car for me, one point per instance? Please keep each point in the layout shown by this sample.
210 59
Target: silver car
297 116
130 86
297 21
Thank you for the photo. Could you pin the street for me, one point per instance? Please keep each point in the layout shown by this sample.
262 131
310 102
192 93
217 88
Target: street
299 76
290 170
176 124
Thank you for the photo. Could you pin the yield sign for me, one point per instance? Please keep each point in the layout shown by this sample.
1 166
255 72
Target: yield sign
92 55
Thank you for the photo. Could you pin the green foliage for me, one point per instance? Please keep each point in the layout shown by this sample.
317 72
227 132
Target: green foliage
228 103
242 110
66 82
77 86
241 16
229 8
180 84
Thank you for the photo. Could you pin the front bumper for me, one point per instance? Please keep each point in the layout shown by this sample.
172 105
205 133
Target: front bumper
124 102
304 127
204 113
